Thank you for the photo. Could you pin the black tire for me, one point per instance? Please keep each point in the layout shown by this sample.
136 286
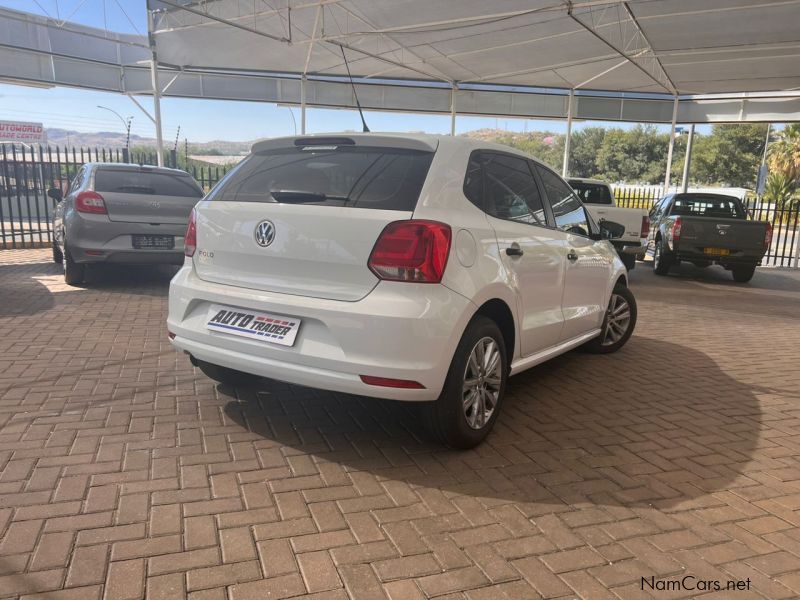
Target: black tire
743 274
446 418
74 273
662 261
629 260
227 376
605 345
58 257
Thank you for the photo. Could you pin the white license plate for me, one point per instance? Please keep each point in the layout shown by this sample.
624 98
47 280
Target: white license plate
266 327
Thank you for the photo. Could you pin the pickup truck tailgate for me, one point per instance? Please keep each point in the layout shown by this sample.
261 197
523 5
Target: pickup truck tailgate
735 235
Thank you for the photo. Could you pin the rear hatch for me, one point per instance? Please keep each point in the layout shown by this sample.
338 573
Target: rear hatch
301 216
145 195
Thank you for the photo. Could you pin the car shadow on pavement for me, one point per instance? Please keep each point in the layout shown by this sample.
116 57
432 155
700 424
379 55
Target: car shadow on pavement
21 296
765 278
603 430
143 279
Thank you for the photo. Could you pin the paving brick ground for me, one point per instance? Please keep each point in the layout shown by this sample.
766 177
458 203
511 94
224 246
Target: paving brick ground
125 473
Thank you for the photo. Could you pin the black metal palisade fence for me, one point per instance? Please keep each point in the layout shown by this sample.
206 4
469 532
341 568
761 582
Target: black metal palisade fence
27 173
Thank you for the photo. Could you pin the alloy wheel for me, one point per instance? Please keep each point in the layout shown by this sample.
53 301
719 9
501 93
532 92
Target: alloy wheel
618 319
483 377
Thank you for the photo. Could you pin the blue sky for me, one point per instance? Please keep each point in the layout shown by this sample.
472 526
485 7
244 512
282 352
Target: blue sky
201 120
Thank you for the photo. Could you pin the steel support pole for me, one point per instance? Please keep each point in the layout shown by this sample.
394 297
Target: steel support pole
687 162
156 91
570 103
453 91
671 144
303 105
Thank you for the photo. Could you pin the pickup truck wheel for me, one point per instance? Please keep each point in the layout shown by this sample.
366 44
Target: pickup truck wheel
227 376
743 274
74 273
662 261
468 406
618 323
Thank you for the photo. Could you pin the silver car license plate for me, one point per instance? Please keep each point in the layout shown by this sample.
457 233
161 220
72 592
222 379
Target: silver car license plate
161 242
256 325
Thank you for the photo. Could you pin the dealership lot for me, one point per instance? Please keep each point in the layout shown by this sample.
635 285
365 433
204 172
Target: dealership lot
125 472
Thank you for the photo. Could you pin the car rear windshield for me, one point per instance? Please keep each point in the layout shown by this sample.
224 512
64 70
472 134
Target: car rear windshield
592 193
128 181
352 176
708 206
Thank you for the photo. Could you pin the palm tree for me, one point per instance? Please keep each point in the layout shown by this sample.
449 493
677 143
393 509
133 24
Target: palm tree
784 154
780 191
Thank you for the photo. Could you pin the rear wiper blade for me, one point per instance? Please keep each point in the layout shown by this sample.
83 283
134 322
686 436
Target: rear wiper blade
299 197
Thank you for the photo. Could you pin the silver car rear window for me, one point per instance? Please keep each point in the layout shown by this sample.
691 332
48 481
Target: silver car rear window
129 181
351 176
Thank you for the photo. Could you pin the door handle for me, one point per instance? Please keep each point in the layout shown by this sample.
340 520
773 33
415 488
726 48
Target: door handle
514 250
571 255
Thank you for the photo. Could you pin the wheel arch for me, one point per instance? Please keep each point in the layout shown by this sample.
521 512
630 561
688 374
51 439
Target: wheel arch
498 311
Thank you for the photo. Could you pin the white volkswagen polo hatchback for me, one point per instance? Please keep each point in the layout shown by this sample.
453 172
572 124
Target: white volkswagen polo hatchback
396 266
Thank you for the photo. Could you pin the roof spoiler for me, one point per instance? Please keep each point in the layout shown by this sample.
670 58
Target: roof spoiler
356 139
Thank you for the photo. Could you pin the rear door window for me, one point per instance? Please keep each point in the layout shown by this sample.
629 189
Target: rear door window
567 209
351 176
504 187
129 181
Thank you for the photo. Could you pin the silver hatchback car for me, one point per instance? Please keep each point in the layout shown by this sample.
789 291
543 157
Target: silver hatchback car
122 213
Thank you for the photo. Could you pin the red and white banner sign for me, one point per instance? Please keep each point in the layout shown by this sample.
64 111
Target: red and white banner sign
21 131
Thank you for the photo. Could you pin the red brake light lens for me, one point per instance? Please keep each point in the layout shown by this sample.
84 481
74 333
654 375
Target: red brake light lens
414 251
768 237
90 202
645 226
392 383
190 240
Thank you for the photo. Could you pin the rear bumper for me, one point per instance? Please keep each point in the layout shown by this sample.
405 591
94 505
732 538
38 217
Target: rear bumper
398 331
630 247
94 238
736 258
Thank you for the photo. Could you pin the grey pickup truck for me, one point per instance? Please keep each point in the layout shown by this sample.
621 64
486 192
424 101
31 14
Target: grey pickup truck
706 229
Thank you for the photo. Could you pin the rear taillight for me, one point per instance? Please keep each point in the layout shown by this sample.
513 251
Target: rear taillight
90 202
392 383
768 237
414 251
676 230
190 240
645 226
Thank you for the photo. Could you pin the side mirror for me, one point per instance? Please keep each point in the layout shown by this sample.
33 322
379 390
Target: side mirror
610 230
55 194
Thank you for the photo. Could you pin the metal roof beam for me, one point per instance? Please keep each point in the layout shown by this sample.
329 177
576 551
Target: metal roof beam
643 50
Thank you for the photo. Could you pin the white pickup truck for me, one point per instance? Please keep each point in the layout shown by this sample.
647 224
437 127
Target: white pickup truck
598 198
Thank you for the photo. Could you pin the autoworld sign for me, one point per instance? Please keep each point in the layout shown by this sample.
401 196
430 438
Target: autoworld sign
21 131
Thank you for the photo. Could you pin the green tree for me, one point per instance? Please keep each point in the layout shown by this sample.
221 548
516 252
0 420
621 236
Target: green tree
730 155
637 155
584 149
780 190
784 153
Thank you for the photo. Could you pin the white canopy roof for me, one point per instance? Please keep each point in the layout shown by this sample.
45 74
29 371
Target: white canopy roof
515 58
657 46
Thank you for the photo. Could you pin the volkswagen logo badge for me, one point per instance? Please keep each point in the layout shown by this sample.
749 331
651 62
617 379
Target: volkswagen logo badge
265 233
